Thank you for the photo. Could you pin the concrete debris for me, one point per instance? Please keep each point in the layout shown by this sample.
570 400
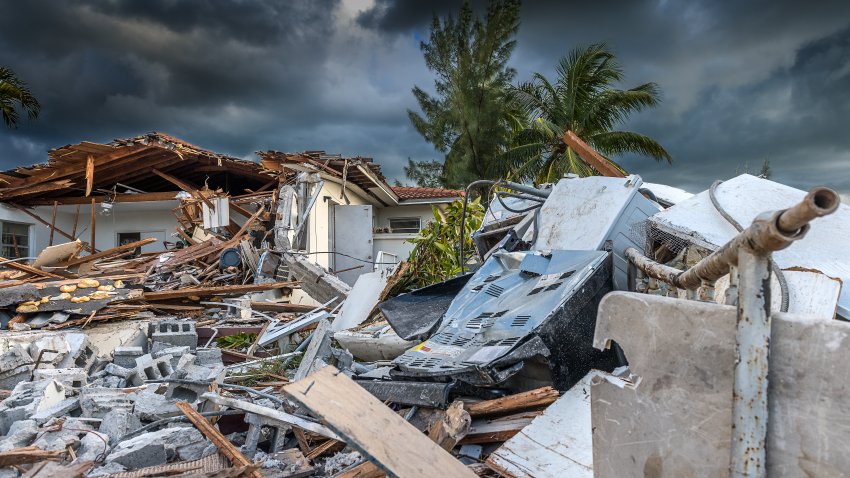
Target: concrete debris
242 353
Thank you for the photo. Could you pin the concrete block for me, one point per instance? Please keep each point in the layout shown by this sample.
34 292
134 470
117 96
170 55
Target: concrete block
81 353
119 371
15 367
208 357
92 446
106 469
21 434
125 356
70 377
164 445
118 423
60 409
174 332
44 346
67 435
97 402
175 352
138 455
149 368
276 436
152 406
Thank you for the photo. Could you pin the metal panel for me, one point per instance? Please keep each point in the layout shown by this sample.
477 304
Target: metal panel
352 241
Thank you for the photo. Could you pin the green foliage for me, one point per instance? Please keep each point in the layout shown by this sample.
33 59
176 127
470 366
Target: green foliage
425 174
581 99
241 340
15 95
469 119
435 256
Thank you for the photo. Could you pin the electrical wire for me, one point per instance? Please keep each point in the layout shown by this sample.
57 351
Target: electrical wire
780 276
346 255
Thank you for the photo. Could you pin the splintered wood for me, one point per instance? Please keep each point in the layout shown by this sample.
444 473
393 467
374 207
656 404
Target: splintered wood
398 448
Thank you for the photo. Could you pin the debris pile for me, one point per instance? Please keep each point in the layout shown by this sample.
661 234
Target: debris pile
200 366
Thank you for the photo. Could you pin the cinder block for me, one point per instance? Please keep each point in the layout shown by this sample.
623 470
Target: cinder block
175 332
126 356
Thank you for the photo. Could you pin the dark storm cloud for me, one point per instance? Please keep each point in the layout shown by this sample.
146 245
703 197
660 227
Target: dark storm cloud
741 81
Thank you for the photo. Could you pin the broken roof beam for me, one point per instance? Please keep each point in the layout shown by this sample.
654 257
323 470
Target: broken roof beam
591 157
185 186
123 198
109 252
216 290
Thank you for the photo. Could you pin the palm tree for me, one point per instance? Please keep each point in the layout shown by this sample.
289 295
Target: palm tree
583 100
14 94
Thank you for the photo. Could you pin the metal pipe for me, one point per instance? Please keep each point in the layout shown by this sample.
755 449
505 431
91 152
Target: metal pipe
752 347
769 232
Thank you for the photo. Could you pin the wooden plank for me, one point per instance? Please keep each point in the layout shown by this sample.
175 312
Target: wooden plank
108 252
513 403
591 157
217 290
281 307
366 424
223 444
494 430
34 188
28 269
446 432
89 174
184 186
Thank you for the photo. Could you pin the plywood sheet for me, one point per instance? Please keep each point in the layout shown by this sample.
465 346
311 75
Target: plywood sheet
372 428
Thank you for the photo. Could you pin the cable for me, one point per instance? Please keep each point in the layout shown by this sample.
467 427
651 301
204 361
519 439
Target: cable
516 211
780 276
345 255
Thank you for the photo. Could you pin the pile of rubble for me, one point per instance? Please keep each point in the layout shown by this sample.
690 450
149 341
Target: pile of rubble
487 374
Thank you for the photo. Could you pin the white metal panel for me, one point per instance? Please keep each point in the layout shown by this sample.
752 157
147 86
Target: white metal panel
352 241
220 217
580 214
557 444
825 248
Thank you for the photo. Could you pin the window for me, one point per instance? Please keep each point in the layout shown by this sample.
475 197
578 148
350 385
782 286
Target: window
16 240
404 225
128 237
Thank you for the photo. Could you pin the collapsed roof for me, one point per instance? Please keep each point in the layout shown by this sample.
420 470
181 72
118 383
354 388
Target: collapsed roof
145 166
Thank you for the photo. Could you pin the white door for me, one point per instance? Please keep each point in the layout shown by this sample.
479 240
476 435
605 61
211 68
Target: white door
352 241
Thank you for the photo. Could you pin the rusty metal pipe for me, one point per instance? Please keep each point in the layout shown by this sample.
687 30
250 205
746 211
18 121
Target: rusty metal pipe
771 231
819 202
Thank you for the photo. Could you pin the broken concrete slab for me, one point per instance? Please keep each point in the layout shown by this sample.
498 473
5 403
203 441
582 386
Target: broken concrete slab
125 356
15 366
118 423
96 402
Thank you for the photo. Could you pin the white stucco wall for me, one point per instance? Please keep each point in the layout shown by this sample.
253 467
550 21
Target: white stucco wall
399 244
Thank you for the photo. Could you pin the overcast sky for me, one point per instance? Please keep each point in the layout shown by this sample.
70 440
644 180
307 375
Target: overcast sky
741 81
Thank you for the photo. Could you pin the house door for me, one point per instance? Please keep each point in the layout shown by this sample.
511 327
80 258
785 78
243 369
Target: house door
352 242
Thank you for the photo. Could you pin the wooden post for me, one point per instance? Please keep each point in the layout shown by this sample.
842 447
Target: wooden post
76 220
53 222
220 441
92 225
